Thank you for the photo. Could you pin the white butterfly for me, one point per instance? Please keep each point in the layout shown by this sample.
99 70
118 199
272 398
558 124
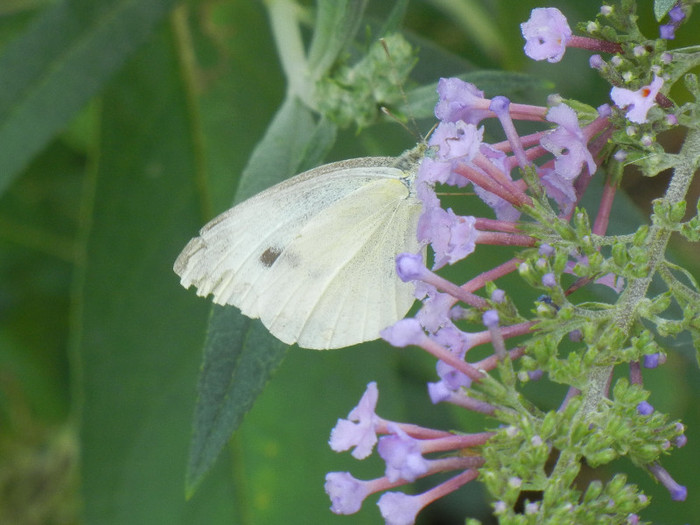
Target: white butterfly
313 256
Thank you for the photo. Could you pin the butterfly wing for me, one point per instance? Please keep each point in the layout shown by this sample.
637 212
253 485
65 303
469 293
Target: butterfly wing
344 288
296 254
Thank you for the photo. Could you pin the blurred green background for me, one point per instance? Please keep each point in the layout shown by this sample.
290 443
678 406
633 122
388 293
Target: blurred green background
123 128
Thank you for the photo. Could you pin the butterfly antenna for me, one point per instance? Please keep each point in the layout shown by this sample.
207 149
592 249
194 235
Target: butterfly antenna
413 127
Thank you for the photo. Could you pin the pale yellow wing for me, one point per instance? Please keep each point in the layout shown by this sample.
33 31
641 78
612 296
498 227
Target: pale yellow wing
313 257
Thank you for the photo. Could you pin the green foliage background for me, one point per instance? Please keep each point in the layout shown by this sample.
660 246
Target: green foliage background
124 126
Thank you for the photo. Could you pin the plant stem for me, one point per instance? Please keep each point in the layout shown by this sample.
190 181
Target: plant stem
656 243
657 240
290 46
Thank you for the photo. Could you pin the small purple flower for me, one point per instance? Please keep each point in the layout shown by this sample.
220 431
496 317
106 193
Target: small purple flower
681 440
676 14
620 155
451 337
596 62
546 34
410 267
358 430
456 140
576 336
490 319
559 189
645 409
460 100
498 296
404 332
452 237
432 171
547 250
535 375
346 492
532 508
567 143
499 507
402 455
678 492
638 103
651 360
667 31
604 110
549 280
434 315
398 508
439 392
452 380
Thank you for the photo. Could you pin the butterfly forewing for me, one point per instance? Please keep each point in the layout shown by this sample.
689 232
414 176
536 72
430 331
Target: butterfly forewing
313 257
344 289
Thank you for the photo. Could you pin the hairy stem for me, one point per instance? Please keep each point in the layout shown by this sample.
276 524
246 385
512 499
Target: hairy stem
657 240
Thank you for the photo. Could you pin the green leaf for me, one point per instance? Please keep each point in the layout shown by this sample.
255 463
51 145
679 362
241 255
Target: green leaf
74 46
337 22
283 150
239 358
282 447
239 354
393 21
135 330
661 7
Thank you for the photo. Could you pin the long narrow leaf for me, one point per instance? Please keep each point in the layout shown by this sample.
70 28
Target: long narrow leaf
64 58
239 354
137 331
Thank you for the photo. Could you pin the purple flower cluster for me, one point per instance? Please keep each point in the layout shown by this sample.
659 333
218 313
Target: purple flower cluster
460 158
403 448
555 163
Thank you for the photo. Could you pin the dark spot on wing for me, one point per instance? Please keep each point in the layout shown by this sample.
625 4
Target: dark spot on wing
269 256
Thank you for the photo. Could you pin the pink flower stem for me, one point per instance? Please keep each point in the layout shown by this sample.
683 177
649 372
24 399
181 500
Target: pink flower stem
504 239
509 191
594 44
449 486
462 400
600 226
527 112
491 362
598 125
444 355
528 141
491 275
455 291
415 431
484 224
455 463
455 442
489 184
636 373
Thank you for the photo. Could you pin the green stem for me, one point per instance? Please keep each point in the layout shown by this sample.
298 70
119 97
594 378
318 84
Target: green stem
657 240
290 46
625 316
